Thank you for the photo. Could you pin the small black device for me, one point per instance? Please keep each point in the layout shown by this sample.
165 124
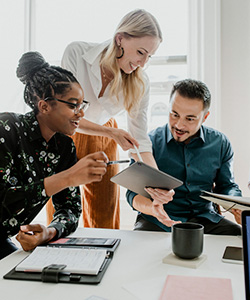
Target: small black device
233 255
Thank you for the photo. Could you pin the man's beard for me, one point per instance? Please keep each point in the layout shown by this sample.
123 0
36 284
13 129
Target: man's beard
188 139
178 138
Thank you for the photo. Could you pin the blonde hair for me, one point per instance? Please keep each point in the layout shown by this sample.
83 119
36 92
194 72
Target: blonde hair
136 24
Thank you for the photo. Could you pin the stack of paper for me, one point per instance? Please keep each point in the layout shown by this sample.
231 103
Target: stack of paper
227 201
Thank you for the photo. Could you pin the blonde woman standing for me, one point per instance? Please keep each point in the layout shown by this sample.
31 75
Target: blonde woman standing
113 80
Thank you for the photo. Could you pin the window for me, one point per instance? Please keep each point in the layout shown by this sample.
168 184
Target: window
68 21
49 26
12 27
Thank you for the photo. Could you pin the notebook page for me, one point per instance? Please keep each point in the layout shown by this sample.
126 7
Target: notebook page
81 261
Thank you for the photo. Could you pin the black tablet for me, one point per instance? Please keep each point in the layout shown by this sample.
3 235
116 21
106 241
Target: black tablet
82 241
140 175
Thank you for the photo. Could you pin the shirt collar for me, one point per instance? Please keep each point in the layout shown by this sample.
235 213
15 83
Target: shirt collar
93 57
33 129
170 136
94 52
202 136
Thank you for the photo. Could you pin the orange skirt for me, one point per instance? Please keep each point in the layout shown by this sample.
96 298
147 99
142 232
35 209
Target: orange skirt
100 200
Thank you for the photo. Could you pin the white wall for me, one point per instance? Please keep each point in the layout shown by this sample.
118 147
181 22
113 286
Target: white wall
235 84
219 48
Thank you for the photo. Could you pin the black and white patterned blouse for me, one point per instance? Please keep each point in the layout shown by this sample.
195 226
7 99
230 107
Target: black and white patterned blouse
25 160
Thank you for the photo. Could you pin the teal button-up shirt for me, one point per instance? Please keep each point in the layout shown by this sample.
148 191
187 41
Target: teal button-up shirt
206 163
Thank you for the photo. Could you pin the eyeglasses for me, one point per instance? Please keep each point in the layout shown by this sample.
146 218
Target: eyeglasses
76 106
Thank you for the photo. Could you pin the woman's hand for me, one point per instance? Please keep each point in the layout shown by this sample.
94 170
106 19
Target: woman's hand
123 138
90 168
30 236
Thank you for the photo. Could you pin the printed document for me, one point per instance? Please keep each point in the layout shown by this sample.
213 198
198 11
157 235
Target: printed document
228 201
80 261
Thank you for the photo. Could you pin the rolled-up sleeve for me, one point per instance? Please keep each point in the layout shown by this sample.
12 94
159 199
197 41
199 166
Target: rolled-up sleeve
138 126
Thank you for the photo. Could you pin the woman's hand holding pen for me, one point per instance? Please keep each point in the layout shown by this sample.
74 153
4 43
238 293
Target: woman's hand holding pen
94 166
123 138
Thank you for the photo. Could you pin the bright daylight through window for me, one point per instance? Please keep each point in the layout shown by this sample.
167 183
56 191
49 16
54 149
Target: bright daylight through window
49 26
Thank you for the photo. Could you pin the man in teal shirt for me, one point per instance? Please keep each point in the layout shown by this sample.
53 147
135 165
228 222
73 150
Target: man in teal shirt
201 157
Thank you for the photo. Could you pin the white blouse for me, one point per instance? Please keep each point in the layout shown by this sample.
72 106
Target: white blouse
83 60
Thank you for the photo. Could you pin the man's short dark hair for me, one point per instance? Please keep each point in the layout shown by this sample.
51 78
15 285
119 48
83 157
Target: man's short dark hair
192 89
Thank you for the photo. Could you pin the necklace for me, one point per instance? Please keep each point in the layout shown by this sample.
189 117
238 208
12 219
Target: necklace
105 76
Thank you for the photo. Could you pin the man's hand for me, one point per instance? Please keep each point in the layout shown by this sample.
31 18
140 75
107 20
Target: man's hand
160 214
237 215
30 236
161 197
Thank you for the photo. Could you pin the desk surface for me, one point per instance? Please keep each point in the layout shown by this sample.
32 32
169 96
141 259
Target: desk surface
136 271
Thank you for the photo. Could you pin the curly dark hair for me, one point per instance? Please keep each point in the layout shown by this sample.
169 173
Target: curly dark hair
192 89
41 80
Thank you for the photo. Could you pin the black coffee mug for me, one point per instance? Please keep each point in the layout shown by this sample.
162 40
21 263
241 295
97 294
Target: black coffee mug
187 240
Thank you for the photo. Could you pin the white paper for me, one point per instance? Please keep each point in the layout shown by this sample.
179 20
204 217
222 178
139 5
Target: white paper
80 261
146 289
227 201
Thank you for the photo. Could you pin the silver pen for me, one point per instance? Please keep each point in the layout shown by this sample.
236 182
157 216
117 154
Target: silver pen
138 153
113 162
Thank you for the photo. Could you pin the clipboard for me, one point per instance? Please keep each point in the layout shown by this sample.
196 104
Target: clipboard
140 175
54 272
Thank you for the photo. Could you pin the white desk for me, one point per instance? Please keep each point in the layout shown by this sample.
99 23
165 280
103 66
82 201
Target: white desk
137 259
